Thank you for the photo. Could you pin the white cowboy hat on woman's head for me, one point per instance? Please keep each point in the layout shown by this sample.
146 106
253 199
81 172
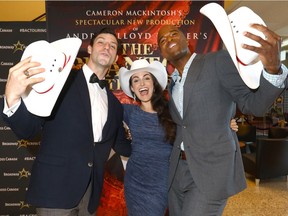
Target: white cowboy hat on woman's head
57 58
230 29
155 68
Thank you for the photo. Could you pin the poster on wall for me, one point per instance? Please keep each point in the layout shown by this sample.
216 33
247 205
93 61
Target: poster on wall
136 24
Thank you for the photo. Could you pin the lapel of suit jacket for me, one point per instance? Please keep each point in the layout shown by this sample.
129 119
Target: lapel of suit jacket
84 94
111 112
172 106
192 77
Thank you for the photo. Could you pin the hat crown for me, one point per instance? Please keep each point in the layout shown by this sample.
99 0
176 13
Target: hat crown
230 28
50 58
156 68
240 20
57 59
140 63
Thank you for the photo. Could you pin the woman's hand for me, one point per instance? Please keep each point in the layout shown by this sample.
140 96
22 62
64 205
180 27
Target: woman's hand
234 125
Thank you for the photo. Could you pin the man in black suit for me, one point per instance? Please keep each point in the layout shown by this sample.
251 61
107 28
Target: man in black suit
67 175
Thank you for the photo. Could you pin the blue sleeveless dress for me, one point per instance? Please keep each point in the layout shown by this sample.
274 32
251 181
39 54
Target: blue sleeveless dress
146 176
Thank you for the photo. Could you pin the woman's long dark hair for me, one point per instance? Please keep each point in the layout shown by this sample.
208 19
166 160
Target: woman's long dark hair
160 105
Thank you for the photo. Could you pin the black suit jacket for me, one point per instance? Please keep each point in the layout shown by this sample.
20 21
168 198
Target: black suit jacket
68 158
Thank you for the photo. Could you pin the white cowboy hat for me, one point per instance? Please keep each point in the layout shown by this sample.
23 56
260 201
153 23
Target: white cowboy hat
230 29
155 68
57 58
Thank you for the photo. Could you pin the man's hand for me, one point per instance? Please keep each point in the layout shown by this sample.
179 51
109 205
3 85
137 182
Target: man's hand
19 79
269 50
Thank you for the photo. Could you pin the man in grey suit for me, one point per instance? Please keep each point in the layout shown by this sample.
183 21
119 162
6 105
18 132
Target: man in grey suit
206 166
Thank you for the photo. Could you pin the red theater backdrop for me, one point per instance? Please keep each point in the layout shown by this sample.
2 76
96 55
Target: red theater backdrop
136 24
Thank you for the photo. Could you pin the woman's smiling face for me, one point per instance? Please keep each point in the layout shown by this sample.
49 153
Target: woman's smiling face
142 85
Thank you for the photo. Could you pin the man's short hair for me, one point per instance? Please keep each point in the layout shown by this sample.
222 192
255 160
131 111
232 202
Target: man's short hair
106 31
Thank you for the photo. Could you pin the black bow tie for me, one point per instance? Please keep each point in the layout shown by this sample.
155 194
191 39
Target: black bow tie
95 79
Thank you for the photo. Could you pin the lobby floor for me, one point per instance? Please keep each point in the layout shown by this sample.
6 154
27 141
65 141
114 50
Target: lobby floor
270 198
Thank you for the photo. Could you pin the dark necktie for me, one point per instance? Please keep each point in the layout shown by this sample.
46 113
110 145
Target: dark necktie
95 79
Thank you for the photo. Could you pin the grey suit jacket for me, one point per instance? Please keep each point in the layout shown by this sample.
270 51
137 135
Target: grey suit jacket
212 89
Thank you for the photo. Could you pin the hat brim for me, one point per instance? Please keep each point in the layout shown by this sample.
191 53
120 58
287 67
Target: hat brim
42 103
155 68
250 73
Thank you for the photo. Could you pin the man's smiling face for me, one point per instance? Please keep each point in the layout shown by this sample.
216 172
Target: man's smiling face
172 43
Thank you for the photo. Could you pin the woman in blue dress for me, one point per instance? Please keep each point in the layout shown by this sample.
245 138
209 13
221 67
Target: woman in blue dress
153 132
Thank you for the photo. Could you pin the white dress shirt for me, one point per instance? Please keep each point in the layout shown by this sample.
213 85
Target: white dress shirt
99 105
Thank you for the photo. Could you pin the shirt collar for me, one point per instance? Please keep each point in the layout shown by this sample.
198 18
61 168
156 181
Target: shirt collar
175 75
87 72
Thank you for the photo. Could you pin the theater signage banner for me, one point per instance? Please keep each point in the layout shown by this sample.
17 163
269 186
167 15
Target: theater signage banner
136 24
